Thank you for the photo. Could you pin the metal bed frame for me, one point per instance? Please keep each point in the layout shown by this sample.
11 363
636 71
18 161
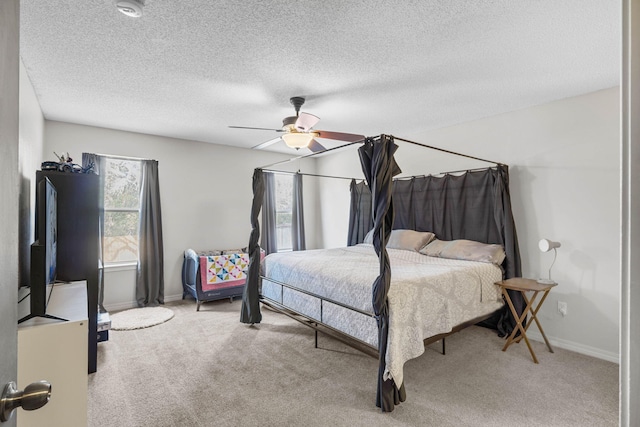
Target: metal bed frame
319 326
353 342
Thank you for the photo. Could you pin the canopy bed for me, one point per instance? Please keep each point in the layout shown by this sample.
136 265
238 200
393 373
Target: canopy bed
423 257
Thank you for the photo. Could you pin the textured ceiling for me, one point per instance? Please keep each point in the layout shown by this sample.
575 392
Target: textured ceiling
190 68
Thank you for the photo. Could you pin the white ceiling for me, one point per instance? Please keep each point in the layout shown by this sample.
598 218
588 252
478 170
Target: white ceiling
190 68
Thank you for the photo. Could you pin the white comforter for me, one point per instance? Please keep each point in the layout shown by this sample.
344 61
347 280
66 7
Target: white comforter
428 296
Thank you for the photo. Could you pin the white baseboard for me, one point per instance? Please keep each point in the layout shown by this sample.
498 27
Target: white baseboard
120 306
577 347
171 298
133 304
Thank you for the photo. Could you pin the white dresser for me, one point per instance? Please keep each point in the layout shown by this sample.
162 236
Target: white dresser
56 351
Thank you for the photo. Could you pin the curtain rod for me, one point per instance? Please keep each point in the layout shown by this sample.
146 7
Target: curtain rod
309 174
311 154
362 179
395 138
122 157
445 173
447 151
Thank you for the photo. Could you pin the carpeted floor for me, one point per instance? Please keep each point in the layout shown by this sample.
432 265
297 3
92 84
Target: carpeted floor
207 369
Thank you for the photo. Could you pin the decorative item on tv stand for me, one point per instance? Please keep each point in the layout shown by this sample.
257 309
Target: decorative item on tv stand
65 164
546 245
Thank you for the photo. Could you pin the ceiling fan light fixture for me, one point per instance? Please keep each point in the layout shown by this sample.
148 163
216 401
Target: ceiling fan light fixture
297 139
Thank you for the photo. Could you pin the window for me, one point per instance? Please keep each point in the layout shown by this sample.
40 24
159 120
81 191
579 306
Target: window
121 210
284 198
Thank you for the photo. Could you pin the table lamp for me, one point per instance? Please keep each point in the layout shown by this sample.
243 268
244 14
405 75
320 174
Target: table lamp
546 245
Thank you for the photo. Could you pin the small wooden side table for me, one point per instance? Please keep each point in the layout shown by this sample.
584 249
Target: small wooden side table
523 286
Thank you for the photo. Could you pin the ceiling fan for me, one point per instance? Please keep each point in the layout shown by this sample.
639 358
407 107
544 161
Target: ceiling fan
297 131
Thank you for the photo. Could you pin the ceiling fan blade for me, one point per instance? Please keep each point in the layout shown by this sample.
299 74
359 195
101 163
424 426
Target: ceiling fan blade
267 143
315 146
245 127
339 136
306 121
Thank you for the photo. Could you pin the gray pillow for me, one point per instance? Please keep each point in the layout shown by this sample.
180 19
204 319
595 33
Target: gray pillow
408 240
434 248
466 250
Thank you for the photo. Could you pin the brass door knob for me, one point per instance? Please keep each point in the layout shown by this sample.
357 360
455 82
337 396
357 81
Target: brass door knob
34 396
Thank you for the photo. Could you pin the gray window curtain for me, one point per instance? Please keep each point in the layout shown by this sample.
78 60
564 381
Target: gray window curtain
360 220
150 271
269 238
297 220
96 164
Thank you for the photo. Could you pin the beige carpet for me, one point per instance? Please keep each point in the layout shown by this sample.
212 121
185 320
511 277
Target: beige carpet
207 369
139 318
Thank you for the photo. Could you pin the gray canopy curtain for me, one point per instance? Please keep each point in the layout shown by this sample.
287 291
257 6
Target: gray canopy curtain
379 168
96 163
360 220
150 270
269 238
250 309
264 192
475 206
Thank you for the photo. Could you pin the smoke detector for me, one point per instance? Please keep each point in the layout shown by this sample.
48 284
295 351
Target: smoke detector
131 8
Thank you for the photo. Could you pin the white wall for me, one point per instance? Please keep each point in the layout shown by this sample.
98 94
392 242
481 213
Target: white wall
335 196
564 169
630 218
31 130
205 190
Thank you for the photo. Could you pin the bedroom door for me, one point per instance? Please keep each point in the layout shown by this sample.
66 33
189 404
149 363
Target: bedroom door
9 174
9 207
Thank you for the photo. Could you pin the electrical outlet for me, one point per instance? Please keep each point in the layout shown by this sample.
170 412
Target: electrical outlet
562 308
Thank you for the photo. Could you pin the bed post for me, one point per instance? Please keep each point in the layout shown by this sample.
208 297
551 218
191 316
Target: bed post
379 167
250 310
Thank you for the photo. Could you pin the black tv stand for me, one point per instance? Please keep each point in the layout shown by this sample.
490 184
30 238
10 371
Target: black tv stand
79 208
46 316
38 303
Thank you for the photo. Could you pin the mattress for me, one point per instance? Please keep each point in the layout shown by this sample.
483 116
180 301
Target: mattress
428 296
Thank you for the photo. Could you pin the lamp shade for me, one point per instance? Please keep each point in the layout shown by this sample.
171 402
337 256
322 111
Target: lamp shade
297 139
546 245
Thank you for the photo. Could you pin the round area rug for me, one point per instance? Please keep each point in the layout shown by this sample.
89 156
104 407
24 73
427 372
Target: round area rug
138 318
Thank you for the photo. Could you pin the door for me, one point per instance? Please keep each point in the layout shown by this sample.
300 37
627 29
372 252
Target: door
9 191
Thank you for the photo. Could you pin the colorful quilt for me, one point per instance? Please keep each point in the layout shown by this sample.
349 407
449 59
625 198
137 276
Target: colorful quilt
223 271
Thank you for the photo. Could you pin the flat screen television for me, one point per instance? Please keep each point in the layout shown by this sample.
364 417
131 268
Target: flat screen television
43 250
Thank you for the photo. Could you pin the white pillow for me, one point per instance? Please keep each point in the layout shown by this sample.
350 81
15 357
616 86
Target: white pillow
408 240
